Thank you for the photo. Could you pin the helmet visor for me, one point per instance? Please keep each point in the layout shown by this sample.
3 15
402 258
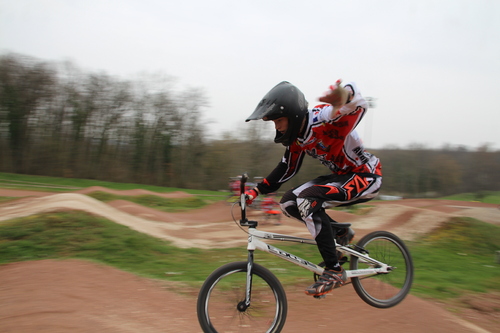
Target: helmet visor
267 110
273 105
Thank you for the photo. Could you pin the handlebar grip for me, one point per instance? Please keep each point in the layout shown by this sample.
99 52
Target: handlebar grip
243 180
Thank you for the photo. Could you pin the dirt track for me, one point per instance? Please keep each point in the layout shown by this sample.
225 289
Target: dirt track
78 296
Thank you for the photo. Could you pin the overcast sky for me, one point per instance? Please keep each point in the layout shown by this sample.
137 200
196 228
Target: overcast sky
434 66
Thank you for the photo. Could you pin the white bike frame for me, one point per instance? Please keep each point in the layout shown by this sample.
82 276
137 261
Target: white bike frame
256 241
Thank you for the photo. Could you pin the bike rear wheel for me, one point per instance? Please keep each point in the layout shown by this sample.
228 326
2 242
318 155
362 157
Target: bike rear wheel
221 301
388 289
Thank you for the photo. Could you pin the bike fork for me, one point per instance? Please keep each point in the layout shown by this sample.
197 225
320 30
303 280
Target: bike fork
244 305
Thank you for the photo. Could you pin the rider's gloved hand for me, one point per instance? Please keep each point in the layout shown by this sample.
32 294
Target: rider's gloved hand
250 195
337 96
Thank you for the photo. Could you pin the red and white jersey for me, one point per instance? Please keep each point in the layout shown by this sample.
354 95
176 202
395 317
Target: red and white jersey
330 138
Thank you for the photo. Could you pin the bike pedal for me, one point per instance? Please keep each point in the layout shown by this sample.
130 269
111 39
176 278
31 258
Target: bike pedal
319 297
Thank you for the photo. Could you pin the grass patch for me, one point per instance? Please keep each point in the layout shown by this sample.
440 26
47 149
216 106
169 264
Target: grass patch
5 199
492 197
460 256
156 202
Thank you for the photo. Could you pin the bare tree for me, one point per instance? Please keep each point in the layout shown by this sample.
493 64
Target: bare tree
26 85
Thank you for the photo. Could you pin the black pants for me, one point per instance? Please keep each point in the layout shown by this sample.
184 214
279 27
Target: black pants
308 201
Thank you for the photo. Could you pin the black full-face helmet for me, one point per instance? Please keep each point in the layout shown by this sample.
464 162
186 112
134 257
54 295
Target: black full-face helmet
284 100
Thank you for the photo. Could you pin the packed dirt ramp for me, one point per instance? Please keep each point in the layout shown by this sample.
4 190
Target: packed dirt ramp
80 296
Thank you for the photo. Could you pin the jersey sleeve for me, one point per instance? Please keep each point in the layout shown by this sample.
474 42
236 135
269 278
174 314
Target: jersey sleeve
287 168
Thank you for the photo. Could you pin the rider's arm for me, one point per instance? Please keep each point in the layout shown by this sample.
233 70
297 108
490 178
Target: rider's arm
355 104
286 169
337 97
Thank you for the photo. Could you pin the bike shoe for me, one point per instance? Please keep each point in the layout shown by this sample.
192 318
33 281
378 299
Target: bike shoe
326 282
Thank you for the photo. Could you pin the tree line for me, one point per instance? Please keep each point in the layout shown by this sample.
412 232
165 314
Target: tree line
58 120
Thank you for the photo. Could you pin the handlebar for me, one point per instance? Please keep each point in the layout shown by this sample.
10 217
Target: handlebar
243 204
243 180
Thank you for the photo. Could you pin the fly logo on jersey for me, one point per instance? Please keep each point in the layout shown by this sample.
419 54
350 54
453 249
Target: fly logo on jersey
355 186
330 161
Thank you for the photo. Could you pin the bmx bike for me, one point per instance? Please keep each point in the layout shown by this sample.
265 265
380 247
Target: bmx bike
245 296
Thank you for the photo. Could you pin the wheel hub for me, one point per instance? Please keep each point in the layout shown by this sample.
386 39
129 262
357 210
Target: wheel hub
242 307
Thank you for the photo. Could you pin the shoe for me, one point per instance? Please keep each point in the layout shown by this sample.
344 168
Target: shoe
326 282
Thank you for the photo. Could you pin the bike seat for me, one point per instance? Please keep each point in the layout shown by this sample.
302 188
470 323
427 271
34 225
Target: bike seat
340 225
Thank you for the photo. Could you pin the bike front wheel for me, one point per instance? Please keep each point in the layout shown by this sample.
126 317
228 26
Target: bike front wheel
221 301
387 289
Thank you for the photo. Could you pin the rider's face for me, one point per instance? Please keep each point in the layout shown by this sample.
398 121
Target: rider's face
281 124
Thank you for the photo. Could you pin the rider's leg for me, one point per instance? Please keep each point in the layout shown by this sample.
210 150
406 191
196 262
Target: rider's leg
328 191
307 203
310 212
324 241
333 275
288 205
332 190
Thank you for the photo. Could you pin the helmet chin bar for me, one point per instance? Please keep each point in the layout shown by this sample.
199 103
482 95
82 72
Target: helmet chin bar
292 132
279 137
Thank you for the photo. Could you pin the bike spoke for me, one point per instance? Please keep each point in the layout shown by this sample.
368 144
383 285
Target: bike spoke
221 308
384 289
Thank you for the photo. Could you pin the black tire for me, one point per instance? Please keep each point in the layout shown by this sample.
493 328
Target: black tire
384 290
222 295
